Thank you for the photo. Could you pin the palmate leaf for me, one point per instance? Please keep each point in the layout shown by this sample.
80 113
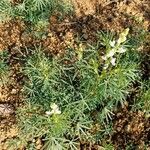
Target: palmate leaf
20 8
39 4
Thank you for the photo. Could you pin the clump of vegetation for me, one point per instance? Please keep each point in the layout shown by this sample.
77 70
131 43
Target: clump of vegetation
32 10
143 102
67 97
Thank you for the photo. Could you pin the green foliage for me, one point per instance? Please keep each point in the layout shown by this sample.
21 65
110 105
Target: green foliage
5 10
32 10
79 85
42 74
143 100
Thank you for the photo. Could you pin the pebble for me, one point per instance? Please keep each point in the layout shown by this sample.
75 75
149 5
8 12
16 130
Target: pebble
85 36
38 144
13 91
6 110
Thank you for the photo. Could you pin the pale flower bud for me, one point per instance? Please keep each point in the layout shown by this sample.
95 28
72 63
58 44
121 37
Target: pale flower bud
104 57
111 53
113 61
122 36
55 110
122 50
48 113
112 43
105 66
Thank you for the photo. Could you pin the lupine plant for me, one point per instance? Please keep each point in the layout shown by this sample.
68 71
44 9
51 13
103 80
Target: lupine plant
66 97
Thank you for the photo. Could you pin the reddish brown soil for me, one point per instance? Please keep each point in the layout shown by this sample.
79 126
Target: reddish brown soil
130 128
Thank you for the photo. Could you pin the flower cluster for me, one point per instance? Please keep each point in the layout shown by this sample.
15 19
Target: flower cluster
55 110
116 47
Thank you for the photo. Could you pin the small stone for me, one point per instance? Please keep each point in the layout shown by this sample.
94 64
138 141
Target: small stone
85 36
38 144
84 30
6 110
66 20
115 14
33 140
39 147
50 34
38 141
13 91
44 37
